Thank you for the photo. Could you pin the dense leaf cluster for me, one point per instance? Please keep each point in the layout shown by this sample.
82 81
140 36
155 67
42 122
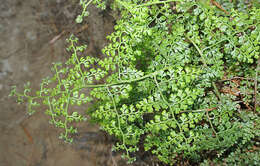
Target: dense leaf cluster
180 81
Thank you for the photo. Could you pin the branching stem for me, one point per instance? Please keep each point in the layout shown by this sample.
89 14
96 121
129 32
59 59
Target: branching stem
118 120
171 110
213 84
124 81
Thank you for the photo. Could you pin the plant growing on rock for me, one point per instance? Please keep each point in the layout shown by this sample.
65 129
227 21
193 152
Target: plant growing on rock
179 79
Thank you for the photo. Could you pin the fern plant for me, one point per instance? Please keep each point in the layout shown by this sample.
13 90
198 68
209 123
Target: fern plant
180 81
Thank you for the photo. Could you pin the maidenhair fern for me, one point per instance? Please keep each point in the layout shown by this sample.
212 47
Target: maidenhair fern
180 80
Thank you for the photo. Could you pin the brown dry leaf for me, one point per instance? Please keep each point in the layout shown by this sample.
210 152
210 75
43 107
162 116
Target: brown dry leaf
219 6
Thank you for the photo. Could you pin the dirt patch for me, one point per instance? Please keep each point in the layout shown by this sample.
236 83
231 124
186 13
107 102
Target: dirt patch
33 34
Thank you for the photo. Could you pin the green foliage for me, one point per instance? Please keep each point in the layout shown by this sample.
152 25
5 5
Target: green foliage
180 80
85 3
240 5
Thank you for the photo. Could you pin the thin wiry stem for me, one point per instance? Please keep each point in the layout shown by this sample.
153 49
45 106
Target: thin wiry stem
227 39
213 84
205 64
200 110
172 113
237 77
118 119
158 2
66 117
211 125
122 82
256 79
